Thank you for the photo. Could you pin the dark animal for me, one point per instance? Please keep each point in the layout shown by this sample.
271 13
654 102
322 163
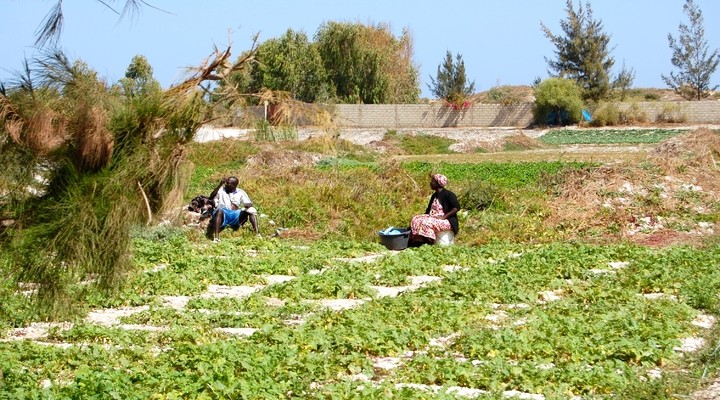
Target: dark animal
203 205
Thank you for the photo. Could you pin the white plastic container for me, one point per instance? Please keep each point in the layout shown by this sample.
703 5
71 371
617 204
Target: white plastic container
444 238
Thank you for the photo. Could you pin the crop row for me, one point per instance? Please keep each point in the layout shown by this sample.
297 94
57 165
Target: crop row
553 321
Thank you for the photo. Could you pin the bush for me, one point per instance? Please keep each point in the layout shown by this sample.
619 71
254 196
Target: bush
670 113
652 97
557 101
420 143
478 196
269 133
634 114
606 114
609 114
503 95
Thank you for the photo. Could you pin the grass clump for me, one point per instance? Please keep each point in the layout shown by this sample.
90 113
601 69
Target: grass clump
478 196
266 132
334 147
420 143
610 114
521 143
671 113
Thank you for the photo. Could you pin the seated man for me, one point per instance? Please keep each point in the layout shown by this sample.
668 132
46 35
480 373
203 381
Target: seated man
233 208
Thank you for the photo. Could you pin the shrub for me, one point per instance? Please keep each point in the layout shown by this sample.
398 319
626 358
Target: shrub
606 114
503 95
609 114
557 101
420 143
634 114
269 133
671 113
478 196
652 96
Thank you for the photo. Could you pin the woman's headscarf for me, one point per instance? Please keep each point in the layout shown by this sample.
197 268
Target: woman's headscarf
440 179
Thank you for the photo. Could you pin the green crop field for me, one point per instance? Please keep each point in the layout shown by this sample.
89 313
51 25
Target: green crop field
608 136
559 286
279 319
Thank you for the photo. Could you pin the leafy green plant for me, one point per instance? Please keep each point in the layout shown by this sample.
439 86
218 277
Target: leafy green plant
478 196
503 94
608 136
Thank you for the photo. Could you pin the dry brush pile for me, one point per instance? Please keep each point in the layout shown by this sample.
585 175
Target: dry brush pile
670 197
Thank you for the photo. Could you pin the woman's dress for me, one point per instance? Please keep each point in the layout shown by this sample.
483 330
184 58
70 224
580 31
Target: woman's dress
428 224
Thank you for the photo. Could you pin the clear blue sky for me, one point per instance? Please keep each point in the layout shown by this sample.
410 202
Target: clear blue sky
501 41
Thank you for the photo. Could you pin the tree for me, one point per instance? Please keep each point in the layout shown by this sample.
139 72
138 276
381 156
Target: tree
451 84
139 78
582 53
290 63
557 102
624 80
367 64
690 56
95 165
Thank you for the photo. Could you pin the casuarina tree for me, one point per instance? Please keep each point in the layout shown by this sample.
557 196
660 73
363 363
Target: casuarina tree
692 58
451 84
86 163
582 52
51 28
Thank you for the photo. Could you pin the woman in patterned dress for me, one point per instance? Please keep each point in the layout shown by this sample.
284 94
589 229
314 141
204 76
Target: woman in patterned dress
440 215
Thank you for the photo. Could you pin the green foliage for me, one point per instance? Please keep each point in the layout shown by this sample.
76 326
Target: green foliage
509 309
606 114
367 64
335 148
106 162
690 56
671 113
503 95
488 325
557 101
478 196
420 143
266 132
139 79
505 175
292 64
623 81
633 114
582 52
450 82
609 114
220 152
345 163
608 136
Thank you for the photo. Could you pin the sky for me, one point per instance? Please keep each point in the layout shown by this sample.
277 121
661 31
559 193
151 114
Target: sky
501 42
